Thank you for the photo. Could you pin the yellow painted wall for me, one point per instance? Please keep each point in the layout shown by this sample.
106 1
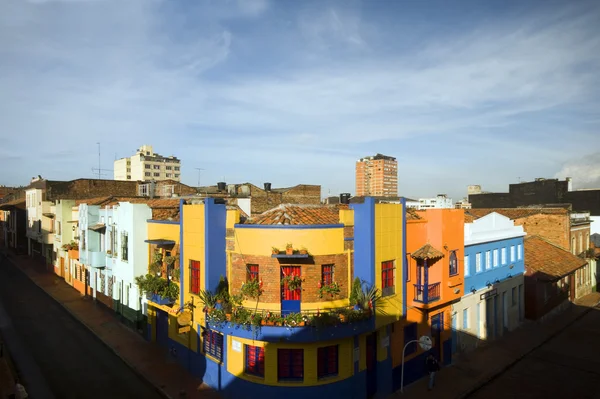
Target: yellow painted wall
388 246
259 241
193 249
233 217
236 361
157 231
347 217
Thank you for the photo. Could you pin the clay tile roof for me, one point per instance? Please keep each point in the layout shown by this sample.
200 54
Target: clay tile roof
427 252
287 214
512 213
93 201
18 203
412 214
543 257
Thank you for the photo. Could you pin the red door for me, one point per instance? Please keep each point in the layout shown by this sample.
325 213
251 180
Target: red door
290 299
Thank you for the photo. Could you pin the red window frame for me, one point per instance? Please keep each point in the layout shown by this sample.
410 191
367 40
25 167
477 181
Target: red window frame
251 272
195 277
287 294
327 361
213 345
387 277
326 274
255 361
290 364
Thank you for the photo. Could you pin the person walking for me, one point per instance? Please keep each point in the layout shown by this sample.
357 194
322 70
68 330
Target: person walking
432 366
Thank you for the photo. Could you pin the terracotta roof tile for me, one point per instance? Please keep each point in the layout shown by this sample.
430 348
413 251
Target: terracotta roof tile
412 214
512 213
427 252
288 214
543 257
93 201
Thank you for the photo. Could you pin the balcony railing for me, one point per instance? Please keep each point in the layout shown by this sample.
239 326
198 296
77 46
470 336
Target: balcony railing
427 293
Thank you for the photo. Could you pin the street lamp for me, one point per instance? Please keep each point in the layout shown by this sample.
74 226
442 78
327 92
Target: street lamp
425 344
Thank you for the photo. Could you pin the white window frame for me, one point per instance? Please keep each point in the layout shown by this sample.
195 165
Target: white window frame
504 255
478 268
467 266
488 260
512 253
496 257
519 251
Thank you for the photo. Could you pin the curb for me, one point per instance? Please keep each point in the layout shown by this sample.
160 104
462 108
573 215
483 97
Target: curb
510 365
83 323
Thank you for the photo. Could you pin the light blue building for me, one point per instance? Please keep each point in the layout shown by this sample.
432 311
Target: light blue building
494 264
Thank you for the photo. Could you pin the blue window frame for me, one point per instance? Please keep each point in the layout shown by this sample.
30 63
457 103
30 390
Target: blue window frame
327 361
213 345
255 361
290 364
410 334
453 264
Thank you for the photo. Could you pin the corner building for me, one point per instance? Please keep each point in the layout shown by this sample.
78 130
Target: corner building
303 341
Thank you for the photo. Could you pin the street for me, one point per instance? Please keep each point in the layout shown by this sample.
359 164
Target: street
568 366
74 363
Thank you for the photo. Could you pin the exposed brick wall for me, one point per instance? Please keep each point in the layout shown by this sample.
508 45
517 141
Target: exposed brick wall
348 231
270 272
178 188
554 228
89 188
263 200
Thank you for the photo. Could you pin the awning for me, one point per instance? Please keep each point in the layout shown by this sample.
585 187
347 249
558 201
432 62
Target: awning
72 221
160 242
97 227
48 215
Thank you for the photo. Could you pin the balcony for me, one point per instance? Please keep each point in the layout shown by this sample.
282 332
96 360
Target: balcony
160 300
427 293
97 259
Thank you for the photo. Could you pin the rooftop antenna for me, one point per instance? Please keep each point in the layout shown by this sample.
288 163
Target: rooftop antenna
199 171
519 179
99 170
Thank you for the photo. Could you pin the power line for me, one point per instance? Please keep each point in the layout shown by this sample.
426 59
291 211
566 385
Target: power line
199 172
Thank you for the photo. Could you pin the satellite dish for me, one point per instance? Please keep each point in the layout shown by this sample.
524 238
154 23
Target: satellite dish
425 343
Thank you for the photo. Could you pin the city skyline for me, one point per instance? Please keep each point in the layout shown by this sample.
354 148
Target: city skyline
263 91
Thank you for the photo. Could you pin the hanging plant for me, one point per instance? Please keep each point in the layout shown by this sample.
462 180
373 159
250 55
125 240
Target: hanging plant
292 282
157 257
170 260
252 289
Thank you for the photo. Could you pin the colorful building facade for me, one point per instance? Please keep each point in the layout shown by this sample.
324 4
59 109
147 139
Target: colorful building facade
302 335
434 282
493 301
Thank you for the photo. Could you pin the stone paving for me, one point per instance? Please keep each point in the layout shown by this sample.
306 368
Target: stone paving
145 358
478 368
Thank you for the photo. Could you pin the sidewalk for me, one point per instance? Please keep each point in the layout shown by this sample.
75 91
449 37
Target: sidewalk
145 358
7 372
477 368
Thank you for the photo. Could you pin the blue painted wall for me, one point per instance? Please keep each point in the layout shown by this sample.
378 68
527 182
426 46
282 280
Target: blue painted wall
364 240
480 280
215 216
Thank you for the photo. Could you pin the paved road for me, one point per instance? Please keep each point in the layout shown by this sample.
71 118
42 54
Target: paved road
74 363
568 366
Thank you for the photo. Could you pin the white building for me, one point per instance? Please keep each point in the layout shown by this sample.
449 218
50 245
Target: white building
441 201
40 225
147 165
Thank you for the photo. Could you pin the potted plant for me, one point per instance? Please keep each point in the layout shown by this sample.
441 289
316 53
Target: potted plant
208 299
289 249
329 289
108 252
303 251
170 260
252 289
155 268
293 282
355 294
274 250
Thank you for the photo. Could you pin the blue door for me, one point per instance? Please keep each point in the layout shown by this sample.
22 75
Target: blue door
162 328
371 354
437 323
290 298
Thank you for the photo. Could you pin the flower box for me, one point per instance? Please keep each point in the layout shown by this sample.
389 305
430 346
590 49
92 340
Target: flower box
160 300
74 254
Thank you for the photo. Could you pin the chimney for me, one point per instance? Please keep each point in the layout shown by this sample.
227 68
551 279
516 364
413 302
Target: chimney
221 186
344 198
569 184
267 186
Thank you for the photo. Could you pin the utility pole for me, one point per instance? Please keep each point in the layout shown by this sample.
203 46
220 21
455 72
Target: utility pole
199 172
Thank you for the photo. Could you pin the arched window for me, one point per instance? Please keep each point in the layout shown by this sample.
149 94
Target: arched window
453 263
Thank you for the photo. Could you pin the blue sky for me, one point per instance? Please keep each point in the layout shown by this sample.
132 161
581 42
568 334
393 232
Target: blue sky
461 92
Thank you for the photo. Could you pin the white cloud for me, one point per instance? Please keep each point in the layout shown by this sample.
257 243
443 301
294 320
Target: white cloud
225 78
585 171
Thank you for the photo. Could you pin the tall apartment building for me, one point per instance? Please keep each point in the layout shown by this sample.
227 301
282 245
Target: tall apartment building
377 176
147 165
